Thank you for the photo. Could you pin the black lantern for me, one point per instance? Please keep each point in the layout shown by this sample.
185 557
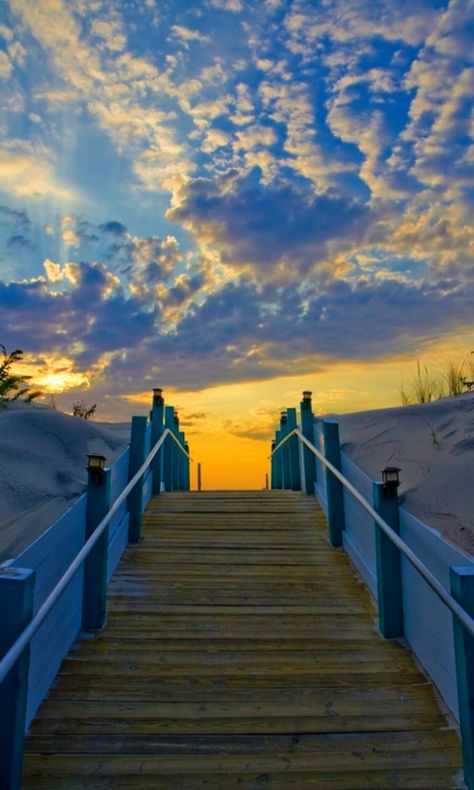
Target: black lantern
157 395
96 466
391 481
307 399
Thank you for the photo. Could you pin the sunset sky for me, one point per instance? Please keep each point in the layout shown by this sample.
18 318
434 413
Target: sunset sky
235 200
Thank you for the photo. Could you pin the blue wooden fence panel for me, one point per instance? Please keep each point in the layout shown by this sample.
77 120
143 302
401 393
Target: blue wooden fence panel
147 488
50 555
148 478
320 487
428 622
359 535
118 529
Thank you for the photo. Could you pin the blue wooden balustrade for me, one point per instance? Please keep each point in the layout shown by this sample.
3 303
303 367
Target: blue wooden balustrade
27 580
407 605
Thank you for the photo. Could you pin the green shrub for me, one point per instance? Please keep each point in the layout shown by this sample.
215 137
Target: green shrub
13 385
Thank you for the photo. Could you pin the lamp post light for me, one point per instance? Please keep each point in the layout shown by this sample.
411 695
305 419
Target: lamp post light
307 398
157 395
96 467
391 481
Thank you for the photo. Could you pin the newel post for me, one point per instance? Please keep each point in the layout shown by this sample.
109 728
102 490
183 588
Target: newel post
94 607
273 468
389 564
137 458
293 451
168 449
176 455
285 453
462 589
278 461
307 429
187 475
16 606
156 416
182 464
334 490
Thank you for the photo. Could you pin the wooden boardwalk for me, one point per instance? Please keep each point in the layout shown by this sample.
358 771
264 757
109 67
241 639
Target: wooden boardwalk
240 651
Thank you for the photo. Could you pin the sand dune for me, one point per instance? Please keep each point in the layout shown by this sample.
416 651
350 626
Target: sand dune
43 455
433 444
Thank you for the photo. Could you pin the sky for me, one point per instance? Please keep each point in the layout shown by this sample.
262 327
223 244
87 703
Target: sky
235 200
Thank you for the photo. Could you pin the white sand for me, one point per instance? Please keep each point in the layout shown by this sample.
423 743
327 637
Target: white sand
43 455
433 444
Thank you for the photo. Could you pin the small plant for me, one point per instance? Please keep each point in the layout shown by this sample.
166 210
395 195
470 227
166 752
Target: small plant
433 433
454 377
81 409
424 387
14 386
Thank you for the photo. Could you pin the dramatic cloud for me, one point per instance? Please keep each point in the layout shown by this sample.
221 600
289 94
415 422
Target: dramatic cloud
279 227
231 190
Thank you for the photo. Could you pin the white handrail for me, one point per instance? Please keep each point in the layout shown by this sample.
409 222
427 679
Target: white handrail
464 618
13 654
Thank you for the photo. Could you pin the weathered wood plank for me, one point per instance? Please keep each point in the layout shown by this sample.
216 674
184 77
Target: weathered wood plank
240 649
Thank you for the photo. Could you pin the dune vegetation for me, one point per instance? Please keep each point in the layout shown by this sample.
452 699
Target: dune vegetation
428 383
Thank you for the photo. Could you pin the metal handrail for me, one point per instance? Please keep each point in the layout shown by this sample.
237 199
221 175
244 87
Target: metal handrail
13 654
458 611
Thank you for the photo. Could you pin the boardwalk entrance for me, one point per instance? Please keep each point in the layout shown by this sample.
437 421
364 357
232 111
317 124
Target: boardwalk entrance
240 650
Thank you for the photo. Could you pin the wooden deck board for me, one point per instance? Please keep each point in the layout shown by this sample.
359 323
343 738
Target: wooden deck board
240 650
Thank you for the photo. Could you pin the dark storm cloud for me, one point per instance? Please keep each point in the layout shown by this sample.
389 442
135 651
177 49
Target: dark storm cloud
262 226
95 313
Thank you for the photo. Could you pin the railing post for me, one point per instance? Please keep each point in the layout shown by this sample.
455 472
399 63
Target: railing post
182 465
307 429
168 449
156 416
334 491
176 455
462 589
273 468
199 477
16 605
295 479
285 453
187 470
389 566
94 607
278 462
137 458
301 465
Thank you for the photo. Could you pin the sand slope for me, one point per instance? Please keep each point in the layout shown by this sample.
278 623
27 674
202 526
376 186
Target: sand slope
43 455
433 444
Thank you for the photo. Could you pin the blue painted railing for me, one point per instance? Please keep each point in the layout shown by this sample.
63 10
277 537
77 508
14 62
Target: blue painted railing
423 586
43 596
